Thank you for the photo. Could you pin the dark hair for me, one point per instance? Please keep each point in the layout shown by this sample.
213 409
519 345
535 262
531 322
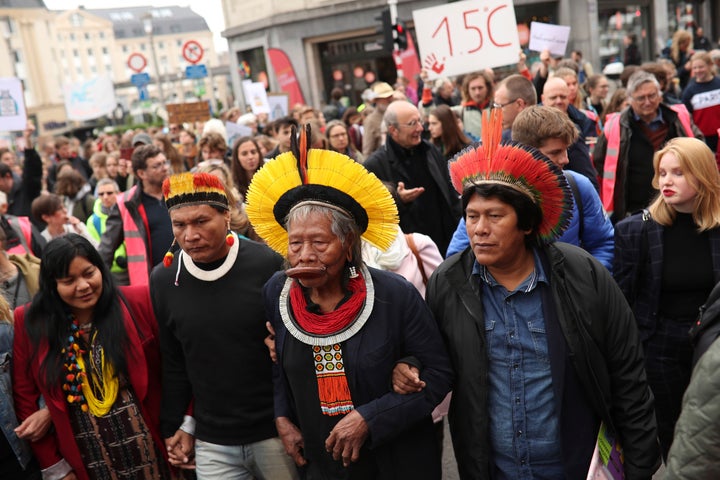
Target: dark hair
529 215
170 152
45 205
240 177
285 122
141 154
48 317
69 183
452 139
5 170
349 112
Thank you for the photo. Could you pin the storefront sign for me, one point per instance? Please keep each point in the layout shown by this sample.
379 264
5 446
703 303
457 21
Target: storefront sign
463 37
544 36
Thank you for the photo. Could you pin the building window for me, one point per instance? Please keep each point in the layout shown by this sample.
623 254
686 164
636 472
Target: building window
125 49
93 69
75 53
87 36
142 47
90 52
101 35
179 43
72 37
161 45
104 50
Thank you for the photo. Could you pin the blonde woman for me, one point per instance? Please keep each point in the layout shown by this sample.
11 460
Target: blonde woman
667 260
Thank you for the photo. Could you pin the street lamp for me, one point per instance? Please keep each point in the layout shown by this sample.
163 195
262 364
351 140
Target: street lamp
148 25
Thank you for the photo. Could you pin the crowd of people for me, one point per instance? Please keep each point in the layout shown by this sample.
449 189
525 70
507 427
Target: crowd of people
526 255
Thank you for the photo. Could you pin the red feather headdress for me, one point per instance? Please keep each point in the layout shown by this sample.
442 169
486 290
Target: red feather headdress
517 166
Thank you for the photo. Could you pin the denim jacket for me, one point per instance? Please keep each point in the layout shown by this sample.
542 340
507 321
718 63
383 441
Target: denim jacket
8 420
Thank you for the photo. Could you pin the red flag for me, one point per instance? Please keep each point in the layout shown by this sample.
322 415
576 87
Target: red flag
285 75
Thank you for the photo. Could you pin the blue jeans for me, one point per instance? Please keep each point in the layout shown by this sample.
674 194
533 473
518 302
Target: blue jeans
263 460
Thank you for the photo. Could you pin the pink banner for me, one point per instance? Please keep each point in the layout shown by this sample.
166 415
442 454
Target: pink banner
285 75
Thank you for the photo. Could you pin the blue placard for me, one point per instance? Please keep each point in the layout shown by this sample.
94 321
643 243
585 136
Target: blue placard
140 79
143 92
196 71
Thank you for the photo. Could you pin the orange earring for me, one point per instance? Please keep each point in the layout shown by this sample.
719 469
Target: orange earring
230 238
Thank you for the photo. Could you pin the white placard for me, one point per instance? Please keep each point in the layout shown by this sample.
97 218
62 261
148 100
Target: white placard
255 96
278 105
235 131
545 36
12 105
91 99
463 37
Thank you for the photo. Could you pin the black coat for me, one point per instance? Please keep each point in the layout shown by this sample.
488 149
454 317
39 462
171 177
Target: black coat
594 333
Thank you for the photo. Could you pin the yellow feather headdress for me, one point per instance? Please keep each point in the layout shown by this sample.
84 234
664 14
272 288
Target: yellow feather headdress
319 176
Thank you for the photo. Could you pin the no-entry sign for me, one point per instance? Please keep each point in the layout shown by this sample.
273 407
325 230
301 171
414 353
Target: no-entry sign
192 51
137 62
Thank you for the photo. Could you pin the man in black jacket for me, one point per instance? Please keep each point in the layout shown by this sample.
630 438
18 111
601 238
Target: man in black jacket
544 346
419 176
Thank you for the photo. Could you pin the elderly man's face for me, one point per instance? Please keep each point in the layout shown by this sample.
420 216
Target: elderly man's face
645 101
200 230
492 227
408 131
311 243
556 94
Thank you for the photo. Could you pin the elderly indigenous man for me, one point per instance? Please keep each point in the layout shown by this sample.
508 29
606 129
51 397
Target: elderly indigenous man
341 326
543 343
425 198
624 152
140 219
209 308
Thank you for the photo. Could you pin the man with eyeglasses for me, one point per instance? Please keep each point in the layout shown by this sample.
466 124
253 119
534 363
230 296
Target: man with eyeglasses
140 218
514 94
419 176
624 152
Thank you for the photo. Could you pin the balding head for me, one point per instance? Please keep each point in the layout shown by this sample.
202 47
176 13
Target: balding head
404 124
556 94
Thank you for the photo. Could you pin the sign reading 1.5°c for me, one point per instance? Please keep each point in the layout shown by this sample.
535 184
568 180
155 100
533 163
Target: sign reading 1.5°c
463 37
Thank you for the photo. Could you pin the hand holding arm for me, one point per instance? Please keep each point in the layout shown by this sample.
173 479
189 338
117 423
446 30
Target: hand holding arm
406 379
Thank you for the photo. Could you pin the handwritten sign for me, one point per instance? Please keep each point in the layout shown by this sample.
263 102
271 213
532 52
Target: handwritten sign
463 37
90 99
12 105
544 36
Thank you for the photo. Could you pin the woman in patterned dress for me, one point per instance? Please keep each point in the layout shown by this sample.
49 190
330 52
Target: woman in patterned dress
92 352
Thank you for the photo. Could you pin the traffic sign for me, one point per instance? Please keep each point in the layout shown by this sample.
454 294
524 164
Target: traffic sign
196 71
143 92
140 79
137 62
192 51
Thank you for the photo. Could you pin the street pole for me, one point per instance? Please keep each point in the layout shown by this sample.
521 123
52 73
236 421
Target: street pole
147 22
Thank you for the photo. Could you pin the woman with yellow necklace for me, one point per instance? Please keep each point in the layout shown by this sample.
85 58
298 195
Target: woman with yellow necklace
92 352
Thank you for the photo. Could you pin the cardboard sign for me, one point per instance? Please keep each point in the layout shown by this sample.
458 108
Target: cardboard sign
463 37
12 105
188 112
544 36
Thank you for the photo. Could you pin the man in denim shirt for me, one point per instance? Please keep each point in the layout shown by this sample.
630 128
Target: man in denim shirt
543 344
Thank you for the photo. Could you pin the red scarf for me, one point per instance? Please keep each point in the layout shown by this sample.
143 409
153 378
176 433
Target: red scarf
331 322
481 106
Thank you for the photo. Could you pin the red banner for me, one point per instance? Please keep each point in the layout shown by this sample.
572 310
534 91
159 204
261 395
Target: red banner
285 75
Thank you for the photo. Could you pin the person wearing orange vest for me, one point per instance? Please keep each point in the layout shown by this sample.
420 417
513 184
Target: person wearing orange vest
140 218
624 152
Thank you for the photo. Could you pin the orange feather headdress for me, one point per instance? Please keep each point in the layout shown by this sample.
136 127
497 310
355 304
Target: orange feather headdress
519 167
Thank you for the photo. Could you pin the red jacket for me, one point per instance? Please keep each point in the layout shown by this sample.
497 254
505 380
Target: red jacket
143 363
